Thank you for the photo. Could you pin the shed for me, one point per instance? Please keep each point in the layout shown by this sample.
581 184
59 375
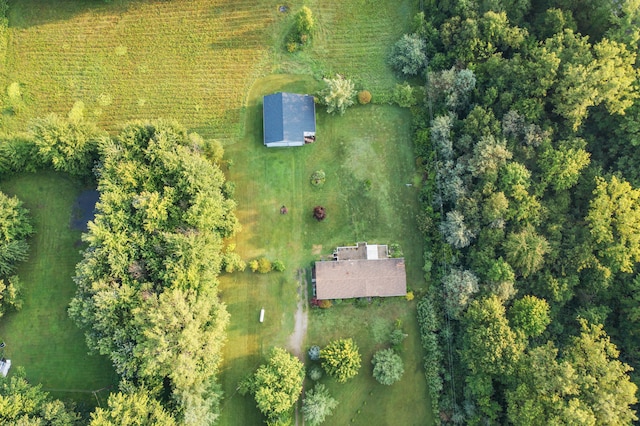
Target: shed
289 119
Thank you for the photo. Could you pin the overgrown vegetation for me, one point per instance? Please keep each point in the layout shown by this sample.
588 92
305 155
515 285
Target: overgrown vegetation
524 138
147 287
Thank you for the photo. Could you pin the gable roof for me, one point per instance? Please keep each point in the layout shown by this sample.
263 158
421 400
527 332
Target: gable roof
287 118
345 279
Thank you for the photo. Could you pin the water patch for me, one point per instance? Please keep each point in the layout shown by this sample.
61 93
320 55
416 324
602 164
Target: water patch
84 209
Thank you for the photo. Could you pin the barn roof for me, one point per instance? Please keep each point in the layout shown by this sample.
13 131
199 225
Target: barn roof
287 118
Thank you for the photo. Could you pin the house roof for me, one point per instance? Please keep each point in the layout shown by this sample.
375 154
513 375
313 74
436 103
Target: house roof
345 279
287 117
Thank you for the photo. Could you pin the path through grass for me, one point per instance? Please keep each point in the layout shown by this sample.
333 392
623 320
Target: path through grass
41 337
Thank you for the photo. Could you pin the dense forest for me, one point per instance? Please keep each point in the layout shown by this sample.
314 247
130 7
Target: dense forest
527 137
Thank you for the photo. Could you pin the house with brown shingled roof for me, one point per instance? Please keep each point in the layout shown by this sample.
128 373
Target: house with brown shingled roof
360 271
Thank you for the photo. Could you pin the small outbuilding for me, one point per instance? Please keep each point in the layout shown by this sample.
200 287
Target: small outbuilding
289 119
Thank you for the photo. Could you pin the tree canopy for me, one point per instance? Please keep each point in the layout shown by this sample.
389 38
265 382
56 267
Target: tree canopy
147 289
341 359
277 385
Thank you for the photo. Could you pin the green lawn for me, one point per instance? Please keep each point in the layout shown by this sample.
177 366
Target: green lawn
206 63
368 143
41 337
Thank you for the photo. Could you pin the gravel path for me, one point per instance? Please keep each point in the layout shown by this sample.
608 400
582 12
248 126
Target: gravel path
296 339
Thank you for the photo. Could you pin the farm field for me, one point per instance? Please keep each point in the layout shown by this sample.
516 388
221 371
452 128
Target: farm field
207 64
352 150
41 337
190 61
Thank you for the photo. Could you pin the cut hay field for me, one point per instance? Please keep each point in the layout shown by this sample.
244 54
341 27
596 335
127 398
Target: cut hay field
190 60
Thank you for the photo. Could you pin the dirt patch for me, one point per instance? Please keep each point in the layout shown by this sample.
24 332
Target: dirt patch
296 339
316 249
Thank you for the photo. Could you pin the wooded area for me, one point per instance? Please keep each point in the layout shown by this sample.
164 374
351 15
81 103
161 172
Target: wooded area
527 135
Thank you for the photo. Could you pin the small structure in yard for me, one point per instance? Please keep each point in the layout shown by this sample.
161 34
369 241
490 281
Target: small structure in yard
289 119
262 315
360 271
5 365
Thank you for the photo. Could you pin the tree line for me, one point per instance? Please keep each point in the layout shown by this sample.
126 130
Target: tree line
147 292
526 136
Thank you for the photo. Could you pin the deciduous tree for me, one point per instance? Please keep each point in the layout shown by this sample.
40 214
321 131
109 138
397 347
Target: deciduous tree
317 405
341 359
338 95
132 409
388 367
277 384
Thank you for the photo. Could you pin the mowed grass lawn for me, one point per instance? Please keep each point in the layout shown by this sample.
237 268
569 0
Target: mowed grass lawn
41 337
368 160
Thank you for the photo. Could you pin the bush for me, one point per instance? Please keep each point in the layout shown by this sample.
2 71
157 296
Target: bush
264 265
364 97
410 296
315 373
325 304
397 337
314 353
232 262
338 95
278 265
318 178
253 265
403 95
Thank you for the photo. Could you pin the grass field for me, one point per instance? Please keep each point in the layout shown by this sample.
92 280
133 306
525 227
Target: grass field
192 60
41 337
351 150
206 63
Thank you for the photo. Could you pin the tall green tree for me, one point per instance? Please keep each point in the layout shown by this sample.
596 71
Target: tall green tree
132 409
24 404
341 359
68 146
147 285
525 250
388 367
317 405
489 345
277 384
530 315
614 223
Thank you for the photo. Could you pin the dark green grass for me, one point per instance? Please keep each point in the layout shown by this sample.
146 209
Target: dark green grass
41 337
369 143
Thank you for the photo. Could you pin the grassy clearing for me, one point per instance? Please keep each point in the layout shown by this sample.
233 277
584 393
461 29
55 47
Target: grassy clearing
367 144
41 337
191 61
352 38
